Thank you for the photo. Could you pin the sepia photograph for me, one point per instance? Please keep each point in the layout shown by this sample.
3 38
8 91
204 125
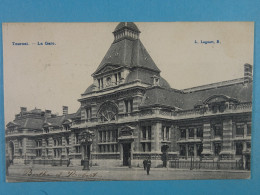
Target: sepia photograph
128 101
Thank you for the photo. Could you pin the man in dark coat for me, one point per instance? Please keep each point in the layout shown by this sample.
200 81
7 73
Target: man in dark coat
68 162
148 166
145 163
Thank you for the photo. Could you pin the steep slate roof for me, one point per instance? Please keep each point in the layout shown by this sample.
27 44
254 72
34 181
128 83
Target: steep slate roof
172 98
128 52
157 96
146 77
241 92
58 120
30 123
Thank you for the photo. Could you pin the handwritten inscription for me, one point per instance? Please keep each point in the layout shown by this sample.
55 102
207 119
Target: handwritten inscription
207 42
71 174
38 43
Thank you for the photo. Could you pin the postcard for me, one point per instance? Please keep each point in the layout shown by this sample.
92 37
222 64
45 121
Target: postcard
128 100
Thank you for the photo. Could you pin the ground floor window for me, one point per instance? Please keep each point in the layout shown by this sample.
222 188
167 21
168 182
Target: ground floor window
217 148
77 148
38 153
57 152
239 148
146 147
108 148
182 150
191 150
248 145
199 149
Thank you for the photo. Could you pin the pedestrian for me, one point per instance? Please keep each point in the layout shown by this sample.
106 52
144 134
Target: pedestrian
148 166
68 163
145 163
129 162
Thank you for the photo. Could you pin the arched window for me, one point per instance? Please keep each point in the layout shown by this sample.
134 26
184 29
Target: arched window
108 111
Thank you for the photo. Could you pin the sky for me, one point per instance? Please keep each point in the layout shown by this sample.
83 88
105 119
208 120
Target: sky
51 76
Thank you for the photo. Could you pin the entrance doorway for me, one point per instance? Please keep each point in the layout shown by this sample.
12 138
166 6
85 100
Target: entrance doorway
164 150
126 153
11 151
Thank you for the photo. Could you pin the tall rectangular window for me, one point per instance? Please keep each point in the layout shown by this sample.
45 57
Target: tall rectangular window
183 133
182 150
149 132
100 136
99 83
191 133
240 130
126 106
143 147
239 148
144 132
217 128
200 132
116 79
248 129
149 147
88 112
131 105
217 147
76 138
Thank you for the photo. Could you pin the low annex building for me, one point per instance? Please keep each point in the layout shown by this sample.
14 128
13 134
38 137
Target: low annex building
130 113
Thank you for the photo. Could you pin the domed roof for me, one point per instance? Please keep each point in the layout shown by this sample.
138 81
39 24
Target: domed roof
130 25
89 89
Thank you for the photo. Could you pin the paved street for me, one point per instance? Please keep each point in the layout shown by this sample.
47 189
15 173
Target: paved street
49 173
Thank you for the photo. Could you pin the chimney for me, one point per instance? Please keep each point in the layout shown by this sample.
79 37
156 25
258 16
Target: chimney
65 110
23 109
47 113
248 73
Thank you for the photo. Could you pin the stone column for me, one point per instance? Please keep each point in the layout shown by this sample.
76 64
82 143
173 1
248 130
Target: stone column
227 134
164 134
195 133
72 142
207 147
195 150
132 149
244 146
156 129
146 132
187 134
186 151
245 129
24 142
121 151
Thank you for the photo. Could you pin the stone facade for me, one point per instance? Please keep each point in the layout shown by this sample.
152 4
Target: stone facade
131 113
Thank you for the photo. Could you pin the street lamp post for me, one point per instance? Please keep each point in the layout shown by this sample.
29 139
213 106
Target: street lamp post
86 139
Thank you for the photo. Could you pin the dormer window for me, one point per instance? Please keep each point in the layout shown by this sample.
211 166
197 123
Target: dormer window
156 80
100 83
88 113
